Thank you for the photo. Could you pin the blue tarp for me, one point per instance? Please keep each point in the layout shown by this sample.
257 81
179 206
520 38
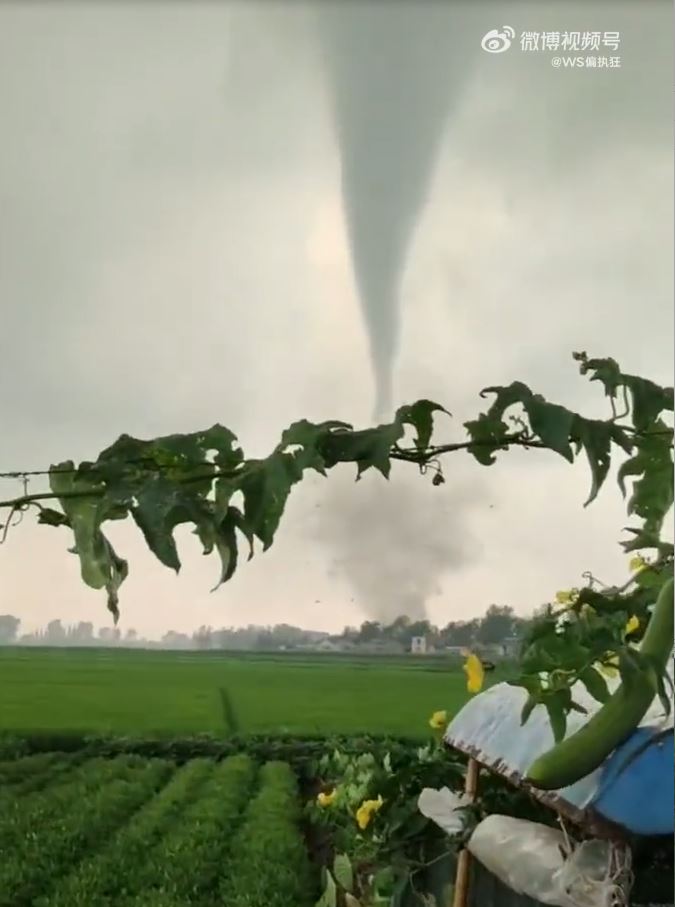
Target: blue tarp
637 785
634 788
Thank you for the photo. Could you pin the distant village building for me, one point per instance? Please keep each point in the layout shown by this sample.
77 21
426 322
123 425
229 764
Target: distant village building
330 645
379 647
511 646
488 650
456 650
418 645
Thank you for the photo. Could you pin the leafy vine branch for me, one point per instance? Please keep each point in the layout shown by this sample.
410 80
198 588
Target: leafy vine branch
421 457
204 479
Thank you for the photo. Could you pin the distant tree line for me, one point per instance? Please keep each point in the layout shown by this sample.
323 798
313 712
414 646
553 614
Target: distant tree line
55 633
498 623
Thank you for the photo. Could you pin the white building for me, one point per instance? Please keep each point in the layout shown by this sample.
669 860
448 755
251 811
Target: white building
418 645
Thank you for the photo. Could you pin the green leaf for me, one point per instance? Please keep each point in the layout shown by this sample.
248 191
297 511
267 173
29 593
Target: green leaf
329 896
660 680
52 517
643 539
221 535
266 485
649 578
630 667
530 682
595 684
528 708
343 872
368 448
489 434
489 430
384 882
80 495
118 572
161 506
662 692
553 424
178 450
554 651
421 416
309 436
351 901
536 659
649 401
606 371
652 495
555 706
595 437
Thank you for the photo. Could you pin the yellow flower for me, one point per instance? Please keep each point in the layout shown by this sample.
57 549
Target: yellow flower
637 563
475 675
632 625
438 720
566 596
326 799
366 811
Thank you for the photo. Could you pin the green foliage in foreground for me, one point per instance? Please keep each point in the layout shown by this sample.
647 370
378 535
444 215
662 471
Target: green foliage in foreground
184 867
130 831
41 835
268 865
97 878
395 850
35 772
199 478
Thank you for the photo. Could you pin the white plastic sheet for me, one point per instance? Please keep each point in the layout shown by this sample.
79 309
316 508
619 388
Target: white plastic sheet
488 728
534 860
442 807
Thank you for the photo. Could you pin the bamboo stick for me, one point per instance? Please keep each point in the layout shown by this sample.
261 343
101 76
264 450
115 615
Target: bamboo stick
461 891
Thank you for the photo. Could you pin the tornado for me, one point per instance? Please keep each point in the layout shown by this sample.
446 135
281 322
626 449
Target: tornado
393 71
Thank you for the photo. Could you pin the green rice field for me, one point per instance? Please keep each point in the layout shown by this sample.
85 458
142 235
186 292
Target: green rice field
145 692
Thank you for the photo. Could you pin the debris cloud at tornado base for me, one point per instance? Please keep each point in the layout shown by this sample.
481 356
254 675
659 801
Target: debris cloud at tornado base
392 542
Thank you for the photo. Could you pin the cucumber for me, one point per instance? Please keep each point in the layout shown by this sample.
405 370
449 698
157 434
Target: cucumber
586 749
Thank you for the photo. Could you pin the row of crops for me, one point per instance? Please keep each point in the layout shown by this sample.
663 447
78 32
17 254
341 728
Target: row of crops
131 831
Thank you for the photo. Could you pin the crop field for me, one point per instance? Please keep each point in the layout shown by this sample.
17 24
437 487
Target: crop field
144 692
77 832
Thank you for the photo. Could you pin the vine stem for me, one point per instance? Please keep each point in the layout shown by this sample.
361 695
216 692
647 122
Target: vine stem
410 455
414 455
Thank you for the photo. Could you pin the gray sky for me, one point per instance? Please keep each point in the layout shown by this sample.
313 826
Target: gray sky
173 253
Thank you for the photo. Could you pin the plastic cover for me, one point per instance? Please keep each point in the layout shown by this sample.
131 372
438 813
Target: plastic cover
489 729
534 860
444 808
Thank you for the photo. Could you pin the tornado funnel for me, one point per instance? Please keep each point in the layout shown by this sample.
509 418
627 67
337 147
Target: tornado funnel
394 71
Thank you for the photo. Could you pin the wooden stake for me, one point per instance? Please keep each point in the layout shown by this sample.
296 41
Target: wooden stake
461 894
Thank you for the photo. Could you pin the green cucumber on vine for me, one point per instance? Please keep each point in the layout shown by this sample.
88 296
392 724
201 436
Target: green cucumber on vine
585 750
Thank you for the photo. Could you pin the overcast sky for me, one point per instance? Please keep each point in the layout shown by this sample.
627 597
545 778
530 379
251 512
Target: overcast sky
174 252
